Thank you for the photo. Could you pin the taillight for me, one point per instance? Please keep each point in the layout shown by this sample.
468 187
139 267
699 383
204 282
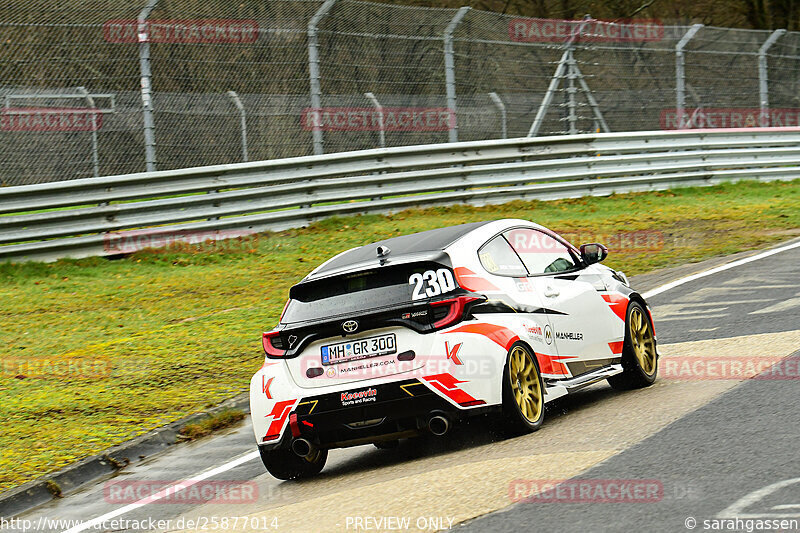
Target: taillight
273 346
455 310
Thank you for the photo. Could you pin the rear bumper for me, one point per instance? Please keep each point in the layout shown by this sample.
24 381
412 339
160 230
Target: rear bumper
382 412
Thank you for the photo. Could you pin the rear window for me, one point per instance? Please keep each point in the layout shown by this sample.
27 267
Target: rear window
367 290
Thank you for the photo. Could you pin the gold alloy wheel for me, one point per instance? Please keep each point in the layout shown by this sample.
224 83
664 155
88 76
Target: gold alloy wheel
525 383
642 341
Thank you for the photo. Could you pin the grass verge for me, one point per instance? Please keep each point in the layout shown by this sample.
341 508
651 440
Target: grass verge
96 351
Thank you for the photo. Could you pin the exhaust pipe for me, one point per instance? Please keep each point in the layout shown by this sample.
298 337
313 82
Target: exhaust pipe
438 425
302 447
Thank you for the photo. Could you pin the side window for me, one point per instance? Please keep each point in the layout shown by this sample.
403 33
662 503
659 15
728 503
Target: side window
540 252
498 258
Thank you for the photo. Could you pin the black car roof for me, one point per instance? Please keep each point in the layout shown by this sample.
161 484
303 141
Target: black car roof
426 241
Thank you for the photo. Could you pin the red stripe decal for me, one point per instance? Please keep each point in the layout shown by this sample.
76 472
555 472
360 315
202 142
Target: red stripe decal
618 303
280 412
616 347
447 384
499 334
551 364
467 279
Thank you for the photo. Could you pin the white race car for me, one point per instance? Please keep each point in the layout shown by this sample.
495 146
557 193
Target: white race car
410 334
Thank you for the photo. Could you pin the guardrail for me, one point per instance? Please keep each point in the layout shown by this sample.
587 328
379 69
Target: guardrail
86 217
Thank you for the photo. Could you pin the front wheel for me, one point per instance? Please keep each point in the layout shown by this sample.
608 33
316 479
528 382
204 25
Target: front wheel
639 356
523 391
285 464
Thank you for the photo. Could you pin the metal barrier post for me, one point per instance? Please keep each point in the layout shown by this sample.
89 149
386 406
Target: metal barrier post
680 74
93 119
243 119
763 82
147 97
450 72
502 108
379 109
313 73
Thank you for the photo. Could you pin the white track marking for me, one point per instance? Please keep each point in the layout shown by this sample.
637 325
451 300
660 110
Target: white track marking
95 522
687 279
737 509
253 455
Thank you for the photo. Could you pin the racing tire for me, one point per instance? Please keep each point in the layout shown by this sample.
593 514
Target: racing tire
639 354
285 464
523 391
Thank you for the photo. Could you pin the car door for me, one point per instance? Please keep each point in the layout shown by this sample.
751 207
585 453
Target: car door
583 326
518 301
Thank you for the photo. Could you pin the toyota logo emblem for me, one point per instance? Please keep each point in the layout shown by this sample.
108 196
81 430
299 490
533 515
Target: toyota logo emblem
350 326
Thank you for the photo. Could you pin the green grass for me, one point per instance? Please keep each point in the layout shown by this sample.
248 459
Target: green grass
171 333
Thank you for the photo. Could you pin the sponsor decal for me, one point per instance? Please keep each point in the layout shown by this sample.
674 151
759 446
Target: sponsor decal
730 117
586 490
452 353
548 334
50 119
528 30
199 31
415 314
330 372
363 396
569 336
181 491
392 119
523 285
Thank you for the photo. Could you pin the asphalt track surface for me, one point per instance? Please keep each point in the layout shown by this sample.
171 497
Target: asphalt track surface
714 446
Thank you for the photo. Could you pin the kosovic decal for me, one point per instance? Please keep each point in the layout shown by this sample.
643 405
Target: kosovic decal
358 397
452 353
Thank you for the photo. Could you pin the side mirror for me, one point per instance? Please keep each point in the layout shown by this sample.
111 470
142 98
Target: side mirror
593 253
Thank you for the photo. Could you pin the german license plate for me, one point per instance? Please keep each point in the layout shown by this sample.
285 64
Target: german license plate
359 349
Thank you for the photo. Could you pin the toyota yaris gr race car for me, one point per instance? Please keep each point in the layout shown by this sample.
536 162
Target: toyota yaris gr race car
413 333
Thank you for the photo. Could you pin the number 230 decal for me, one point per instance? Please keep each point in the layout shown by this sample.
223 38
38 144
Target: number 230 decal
431 283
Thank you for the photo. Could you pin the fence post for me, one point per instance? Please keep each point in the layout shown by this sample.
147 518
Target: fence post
763 80
502 108
313 73
90 103
243 119
680 73
450 72
147 97
379 109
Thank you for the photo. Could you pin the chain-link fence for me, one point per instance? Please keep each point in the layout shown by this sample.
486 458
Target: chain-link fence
99 88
